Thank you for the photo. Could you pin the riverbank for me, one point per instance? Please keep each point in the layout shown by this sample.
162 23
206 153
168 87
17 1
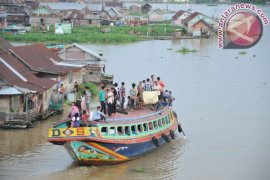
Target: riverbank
94 34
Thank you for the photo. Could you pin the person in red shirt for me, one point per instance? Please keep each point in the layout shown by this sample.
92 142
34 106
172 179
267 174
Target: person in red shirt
162 85
84 117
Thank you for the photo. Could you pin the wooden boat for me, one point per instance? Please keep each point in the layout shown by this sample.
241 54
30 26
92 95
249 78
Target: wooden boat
55 47
121 138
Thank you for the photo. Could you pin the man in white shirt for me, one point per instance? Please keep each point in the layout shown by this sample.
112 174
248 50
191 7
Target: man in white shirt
110 100
98 115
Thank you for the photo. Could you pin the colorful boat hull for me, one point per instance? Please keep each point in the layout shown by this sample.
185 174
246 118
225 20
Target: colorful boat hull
96 146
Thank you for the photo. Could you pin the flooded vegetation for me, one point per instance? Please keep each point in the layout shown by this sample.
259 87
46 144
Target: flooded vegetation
184 50
94 34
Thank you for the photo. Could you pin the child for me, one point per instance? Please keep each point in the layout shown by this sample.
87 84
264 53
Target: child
75 120
130 103
84 117
140 100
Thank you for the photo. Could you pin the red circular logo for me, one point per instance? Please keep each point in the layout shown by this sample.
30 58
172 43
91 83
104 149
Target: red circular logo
244 29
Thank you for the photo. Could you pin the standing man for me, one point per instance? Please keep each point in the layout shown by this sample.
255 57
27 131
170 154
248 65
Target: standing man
133 94
76 87
116 92
122 95
148 85
152 80
161 84
87 98
110 100
61 90
102 99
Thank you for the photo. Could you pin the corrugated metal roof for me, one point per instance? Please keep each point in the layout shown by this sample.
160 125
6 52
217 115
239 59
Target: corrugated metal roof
190 17
3 15
13 76
178 14
114 4
95 7
4 44
12 2
64 6
9 91
41 59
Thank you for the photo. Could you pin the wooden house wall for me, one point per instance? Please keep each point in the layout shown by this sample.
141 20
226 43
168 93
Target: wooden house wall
156 17
69 80
3 22
35 20
92 74
18 20
135 9
200 26
4 103
196 19
74 53
46 98
14 109
104 15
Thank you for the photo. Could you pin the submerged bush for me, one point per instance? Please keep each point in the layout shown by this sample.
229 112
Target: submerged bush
242 52
139 169
185 50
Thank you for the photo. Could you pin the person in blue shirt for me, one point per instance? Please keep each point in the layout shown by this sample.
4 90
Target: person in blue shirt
102 100
98 116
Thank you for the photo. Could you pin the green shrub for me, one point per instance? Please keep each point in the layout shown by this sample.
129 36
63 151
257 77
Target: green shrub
92 87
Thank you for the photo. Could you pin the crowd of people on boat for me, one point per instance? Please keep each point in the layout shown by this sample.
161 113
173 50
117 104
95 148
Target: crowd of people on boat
113 99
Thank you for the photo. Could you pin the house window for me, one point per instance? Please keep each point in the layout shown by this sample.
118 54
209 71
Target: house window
70 77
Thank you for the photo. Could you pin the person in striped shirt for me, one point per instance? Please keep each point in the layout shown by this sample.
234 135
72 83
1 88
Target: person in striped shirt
148 85
133 94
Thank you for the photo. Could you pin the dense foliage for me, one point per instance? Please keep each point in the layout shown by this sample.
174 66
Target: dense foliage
92 87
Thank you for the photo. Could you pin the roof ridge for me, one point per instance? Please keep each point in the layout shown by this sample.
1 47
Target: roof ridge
13 70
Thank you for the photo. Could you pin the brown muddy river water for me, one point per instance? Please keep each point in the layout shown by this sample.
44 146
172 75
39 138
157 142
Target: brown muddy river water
222 99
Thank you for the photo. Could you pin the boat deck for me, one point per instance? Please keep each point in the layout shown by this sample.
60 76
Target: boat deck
146 112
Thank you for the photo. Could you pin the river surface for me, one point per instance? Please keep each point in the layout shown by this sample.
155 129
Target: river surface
222 99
